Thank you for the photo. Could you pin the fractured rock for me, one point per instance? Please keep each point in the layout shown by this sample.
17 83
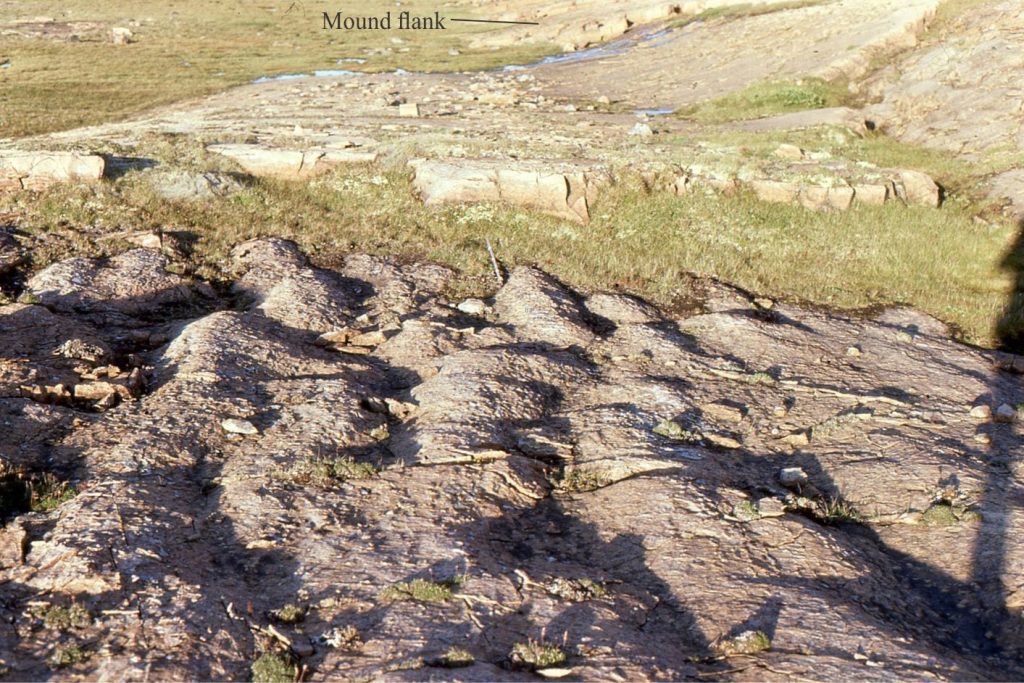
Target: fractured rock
291 164
919 188
565 194
38 170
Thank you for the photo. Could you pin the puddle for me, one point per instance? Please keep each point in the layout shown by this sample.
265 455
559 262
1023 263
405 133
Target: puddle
657 111
612 49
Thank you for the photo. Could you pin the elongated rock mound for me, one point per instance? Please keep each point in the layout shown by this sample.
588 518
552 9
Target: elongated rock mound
345 463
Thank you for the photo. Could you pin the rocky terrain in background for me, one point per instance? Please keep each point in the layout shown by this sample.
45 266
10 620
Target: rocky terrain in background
348 468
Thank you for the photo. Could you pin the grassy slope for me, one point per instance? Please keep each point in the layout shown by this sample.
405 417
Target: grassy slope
190 48
939 260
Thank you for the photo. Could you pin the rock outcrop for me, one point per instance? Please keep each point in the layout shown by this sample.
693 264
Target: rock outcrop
290 164
21 170
537 185
643 491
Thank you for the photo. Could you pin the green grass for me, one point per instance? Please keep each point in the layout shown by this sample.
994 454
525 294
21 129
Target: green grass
190 48
272 667
63 657
456 657
535 654
945 514
768 99
66 618
420 590
48 493
23 492
289 614
746 643
325 472
836 511
938 260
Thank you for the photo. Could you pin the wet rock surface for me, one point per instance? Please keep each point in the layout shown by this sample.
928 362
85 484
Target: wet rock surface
595 474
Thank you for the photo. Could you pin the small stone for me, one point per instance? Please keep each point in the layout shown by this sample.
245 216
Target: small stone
302 647
853 351
120 35
472 306
723 411
770 507
368 339
780 411
982 412
355 350
375 405
723 441
409 110
603 99
235 426
1006 413
13 542
792 476
983 438
335 337
789 152
905 337
797 438
641 130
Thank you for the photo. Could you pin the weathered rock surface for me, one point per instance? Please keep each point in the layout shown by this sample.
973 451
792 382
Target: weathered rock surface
37 170
558 438
291 164
565 194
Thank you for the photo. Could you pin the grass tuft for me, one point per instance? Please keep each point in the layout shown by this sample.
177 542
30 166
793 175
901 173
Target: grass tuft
746 643
535 654
66 618
456 657
420 590
769 99
326 472
273 667
289 614
63 657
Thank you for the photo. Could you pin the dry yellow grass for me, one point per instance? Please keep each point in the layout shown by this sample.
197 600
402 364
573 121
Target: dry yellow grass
938 260
190 48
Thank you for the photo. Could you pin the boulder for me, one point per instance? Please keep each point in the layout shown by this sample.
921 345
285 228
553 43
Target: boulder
290 164
38 170
919 188
565 194
775 190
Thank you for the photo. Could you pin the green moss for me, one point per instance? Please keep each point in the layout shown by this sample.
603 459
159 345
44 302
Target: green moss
66 618
945 514
327 472
746 643
64 657
420 590
289 614
534 655
745 511
272 667
456 657
577 590
582 480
